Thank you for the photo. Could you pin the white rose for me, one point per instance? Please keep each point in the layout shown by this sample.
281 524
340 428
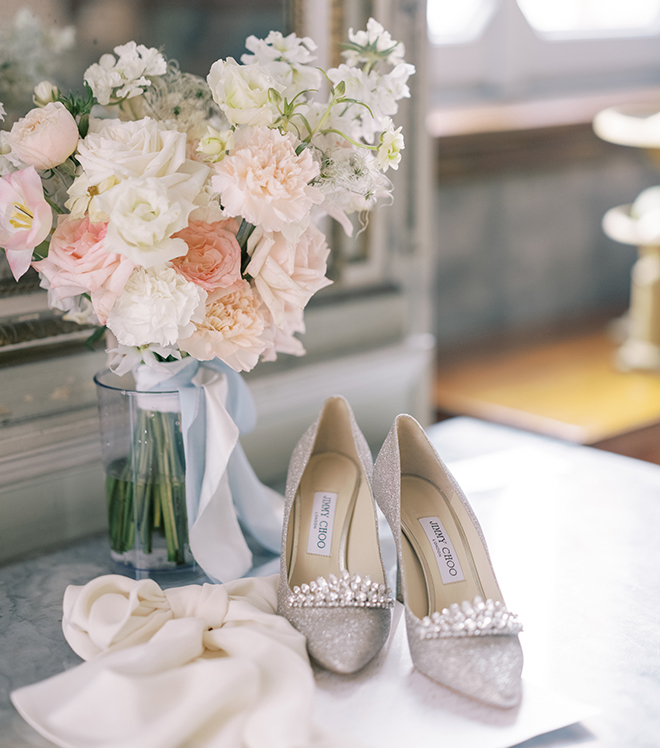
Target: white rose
45 93
45 137
241 91
142 216
130 149
157 306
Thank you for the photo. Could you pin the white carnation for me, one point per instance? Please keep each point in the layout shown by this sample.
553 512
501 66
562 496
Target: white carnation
157 306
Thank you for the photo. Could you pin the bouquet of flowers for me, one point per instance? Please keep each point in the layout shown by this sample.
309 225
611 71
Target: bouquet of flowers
185 208
185 215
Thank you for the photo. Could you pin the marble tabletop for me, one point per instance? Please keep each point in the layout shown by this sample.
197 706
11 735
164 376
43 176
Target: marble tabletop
573 536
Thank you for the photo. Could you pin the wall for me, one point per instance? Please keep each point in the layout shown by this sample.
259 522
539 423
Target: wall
524 247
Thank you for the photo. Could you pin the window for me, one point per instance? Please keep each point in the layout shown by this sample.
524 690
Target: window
451 22
587 17
499 50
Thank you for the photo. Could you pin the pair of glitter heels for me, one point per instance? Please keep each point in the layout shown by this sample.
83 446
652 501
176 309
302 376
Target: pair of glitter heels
332 582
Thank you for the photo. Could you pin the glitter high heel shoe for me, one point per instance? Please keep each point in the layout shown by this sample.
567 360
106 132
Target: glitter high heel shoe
459 630
332 582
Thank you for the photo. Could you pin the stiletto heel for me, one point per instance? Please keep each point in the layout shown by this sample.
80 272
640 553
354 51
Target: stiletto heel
332 582
459 630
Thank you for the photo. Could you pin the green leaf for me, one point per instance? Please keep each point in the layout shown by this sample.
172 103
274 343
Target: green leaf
95 337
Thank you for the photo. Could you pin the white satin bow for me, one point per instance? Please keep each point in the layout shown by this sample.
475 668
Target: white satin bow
208 666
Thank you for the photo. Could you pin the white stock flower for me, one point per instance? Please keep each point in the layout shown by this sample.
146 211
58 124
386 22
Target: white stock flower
264 181
232 329
376 44
379 92
276 47
157 306
241 91
118 149
286 274
288 59
390 147
142 216
112 80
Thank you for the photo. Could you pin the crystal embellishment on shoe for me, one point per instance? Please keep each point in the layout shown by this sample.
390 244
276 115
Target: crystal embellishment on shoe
476 618
345 591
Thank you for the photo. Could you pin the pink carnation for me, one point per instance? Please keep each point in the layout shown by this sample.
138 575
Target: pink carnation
265 181
214 256
78 263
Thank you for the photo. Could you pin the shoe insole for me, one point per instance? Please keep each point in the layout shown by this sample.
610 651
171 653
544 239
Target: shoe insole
438 564
332 524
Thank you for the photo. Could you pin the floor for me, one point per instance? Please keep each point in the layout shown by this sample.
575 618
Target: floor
567 387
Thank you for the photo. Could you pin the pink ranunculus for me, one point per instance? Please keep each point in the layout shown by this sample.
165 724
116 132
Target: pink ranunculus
25 217
214 256
78 263
45 137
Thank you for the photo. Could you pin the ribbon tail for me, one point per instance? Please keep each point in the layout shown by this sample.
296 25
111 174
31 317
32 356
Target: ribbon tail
216 539
260 509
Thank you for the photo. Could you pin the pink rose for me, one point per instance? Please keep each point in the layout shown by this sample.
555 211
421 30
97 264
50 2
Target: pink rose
214 257
78 263
45 137
285 274
25 217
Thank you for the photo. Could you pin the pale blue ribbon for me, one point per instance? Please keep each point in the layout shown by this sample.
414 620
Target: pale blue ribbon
252 507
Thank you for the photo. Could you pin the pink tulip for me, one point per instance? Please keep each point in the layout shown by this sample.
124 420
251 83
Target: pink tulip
25 217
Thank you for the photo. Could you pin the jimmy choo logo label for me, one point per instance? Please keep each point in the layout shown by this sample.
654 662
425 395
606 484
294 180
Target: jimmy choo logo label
445 555
323 519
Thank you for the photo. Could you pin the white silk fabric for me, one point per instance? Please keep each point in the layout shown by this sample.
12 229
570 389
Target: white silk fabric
203 666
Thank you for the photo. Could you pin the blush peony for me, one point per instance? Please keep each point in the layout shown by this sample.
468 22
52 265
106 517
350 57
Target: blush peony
45 137
78 263
213 259
232 330
264 181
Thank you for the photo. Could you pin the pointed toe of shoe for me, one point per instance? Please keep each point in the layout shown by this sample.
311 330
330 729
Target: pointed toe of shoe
342 640
485 668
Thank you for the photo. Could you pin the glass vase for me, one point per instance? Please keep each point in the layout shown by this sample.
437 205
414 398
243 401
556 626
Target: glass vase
145 468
